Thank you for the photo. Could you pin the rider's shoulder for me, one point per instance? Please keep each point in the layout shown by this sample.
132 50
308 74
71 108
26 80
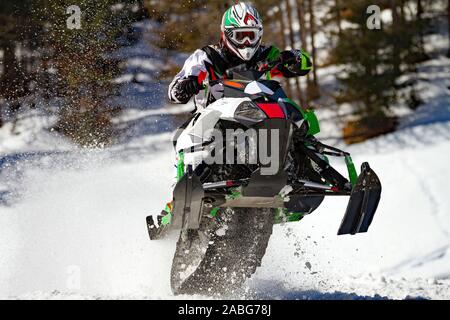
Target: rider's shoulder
212 47
197 55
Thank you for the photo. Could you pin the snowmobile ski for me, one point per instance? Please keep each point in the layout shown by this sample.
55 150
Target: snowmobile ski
363 202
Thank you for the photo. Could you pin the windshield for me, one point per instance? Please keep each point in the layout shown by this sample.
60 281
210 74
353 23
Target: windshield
236 89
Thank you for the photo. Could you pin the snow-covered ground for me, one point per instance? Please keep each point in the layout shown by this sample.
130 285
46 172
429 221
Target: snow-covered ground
79 216
72 221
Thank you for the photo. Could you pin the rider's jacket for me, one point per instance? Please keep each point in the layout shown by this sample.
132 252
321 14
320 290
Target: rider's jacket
212 61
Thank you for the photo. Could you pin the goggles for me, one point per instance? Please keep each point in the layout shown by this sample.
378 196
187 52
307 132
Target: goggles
244 36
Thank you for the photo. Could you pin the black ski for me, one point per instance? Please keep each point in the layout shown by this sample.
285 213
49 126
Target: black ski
363 202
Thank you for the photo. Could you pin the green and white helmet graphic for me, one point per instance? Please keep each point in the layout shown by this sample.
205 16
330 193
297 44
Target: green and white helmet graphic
242 30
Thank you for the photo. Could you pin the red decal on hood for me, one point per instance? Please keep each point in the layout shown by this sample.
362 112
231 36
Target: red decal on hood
273 110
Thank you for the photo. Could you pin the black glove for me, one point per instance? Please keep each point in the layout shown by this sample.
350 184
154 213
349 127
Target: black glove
184 89
291 63
190 86
290 57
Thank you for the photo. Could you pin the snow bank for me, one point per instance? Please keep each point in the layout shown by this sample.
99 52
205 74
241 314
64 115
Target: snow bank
83 230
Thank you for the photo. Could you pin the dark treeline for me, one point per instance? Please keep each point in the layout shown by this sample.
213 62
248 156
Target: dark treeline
374 55
48 63
41 58
373 59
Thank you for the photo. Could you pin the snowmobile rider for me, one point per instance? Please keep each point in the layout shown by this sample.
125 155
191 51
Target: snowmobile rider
240 43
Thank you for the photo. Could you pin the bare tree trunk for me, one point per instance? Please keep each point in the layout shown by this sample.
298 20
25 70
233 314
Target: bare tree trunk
9 74
282 29
419 20
283 44
402 11
312 27
303 39
448 17
301 19
9 66
298 89
337 4
395 27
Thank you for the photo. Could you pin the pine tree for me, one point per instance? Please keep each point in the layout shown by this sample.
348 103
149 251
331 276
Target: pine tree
374 59
15 30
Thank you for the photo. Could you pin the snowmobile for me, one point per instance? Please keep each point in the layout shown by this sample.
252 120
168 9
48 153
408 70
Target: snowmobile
225 212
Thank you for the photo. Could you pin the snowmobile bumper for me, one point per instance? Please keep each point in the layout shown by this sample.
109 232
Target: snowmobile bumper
363 202
192 199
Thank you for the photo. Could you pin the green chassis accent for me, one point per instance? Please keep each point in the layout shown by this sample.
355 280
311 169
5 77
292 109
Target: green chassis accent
166 219
234 194
180 166
352 175
180 173
206 88
309 116
283 215
213 212
294 216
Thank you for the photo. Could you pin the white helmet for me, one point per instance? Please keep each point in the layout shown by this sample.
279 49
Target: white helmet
242 30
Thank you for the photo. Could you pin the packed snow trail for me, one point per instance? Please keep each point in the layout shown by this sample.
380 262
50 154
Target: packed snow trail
78 219
87 223
405 252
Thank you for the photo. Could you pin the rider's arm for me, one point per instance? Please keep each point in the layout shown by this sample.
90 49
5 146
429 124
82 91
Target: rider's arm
185 84
294 63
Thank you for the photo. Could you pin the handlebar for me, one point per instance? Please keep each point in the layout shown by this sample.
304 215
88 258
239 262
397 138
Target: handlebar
242 67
